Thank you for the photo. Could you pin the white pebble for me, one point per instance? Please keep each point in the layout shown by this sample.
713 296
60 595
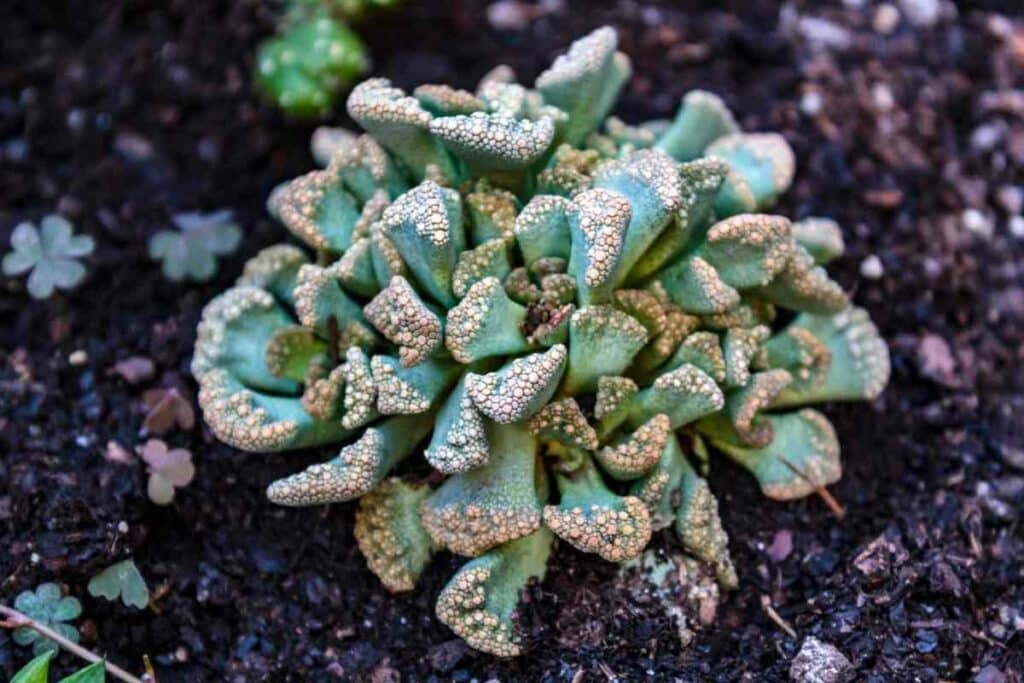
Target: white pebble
1017 227
977 222
122 527
932 267
881 96
922 13
871 267
508 15
987 136
78 358
887 18
810 103
824 34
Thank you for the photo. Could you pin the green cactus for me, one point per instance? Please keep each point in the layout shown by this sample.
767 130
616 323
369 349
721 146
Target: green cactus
559 311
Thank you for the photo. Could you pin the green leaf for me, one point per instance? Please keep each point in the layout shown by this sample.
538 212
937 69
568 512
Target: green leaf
121 580
94 673
35 671
25 636
66 609
25 238
41 646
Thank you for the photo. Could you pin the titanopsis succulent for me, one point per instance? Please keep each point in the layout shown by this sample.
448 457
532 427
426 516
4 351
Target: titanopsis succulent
558 310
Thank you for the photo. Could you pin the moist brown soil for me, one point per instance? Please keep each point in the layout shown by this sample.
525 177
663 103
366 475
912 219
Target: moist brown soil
120 114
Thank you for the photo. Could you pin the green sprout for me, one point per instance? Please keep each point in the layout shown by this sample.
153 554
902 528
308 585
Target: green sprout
51 253
315 55
191 251
38 671
565 314
50 607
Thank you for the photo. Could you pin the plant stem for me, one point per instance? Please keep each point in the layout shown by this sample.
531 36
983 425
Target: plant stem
15 619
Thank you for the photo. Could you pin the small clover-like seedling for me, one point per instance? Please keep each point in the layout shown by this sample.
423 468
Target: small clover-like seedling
169 469
191 251
50 252
38 671
565 314
48 605
121 580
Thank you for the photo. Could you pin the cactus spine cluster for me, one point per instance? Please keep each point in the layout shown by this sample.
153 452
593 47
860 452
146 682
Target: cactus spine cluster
562 313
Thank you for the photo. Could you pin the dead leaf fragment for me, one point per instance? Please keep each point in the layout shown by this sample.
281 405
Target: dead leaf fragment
167 408
135 370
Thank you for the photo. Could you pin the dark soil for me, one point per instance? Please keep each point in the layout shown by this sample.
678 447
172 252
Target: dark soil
120 114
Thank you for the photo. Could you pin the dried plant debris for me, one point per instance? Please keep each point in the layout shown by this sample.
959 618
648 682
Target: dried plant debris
166 409
489 264
191 250
51 252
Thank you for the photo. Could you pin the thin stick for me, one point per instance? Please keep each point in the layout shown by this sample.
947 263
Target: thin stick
16 619
834 505
766 603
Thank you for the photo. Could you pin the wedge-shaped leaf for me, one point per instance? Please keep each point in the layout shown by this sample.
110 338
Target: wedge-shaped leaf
425 225
520 388
702 119
598 220
802 456
499 501
357 469
858 366
602 341
390 534
480 601
585 81
401 125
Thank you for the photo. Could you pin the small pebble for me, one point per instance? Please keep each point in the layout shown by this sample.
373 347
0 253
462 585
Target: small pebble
922 13
932 267
1011 198
977 222
122 527
1017 227
824 34
887 18
1000 26
810 103
819 662
34 558
871 267
78 358
508 15
987 136
882 98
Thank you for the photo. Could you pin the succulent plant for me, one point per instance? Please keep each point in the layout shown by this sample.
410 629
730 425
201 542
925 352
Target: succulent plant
315 55
51 253
562 312
48 605
191 251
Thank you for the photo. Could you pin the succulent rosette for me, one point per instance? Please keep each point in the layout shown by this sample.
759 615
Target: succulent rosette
562 313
